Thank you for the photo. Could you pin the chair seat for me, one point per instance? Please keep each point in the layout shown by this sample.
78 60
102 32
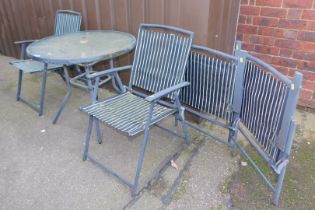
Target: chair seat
30 66
127 112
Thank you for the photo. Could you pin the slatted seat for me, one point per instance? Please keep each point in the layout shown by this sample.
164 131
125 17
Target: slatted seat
127 112
32 66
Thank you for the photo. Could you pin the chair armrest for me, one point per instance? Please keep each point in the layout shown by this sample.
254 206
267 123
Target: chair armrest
108 71
166 91
24 42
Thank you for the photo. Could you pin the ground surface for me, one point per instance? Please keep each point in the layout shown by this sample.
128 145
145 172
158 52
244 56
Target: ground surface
41 164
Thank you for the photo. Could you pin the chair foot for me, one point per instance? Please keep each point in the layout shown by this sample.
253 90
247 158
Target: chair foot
87 138
276 196
84 158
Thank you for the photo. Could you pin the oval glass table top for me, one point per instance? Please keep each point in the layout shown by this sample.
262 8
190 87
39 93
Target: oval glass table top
81 47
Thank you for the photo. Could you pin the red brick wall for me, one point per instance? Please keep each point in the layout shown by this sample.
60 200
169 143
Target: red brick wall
282 33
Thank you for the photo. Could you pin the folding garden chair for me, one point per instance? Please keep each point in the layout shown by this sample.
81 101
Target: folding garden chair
159 65
266 119
243 93
65 22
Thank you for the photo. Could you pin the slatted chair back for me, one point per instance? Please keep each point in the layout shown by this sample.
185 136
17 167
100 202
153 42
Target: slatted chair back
267 96
211 74
67 21
160 57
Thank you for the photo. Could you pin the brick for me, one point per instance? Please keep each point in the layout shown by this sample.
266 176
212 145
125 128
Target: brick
308 46
248 29
308 85
285 33
306 36
308 75
283 70
292 24
308 56
306 65
267 49
306 94
269 3
265 31
244 2
294 14
264 57
297 3
246 38
249 10
263 40
252 2
308 14
263 21
286 53
249 20
310 25
248 47
239 37
242 19
286 62
284 43
307 103
273 12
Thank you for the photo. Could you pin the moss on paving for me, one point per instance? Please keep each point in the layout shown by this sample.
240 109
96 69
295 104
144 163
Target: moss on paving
248 191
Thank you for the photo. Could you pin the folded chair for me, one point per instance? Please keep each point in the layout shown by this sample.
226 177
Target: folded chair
266 119
158 67
243 93
65 22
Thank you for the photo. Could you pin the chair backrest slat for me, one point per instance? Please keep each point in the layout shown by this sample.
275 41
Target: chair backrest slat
67 21
160 57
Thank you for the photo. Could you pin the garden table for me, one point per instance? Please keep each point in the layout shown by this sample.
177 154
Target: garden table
84 47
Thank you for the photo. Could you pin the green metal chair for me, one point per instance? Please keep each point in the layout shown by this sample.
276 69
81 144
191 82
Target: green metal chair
65 22
159 65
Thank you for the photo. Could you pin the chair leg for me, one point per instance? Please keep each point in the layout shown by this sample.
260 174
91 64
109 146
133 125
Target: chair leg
88 137
98 131
278 187
140 161
43 90
186 132
143 147
18 95
176 121
181 116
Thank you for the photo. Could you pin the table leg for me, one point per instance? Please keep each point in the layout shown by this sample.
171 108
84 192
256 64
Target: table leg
43 91
66 98
115 79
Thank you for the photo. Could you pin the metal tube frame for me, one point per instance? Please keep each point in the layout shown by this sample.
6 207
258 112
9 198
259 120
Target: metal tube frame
38 107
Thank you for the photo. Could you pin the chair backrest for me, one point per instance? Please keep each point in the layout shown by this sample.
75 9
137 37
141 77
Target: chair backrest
67 21
160 57
211 74
268 105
